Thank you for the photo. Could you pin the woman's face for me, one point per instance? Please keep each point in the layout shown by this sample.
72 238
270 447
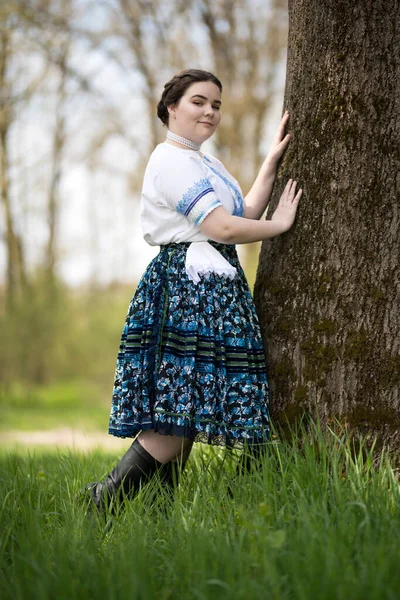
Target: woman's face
197 114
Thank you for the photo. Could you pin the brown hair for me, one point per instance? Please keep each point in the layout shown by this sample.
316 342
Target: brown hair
175 88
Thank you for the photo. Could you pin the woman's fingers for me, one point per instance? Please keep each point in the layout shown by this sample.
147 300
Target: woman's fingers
285 118
288 186
280 141
292 191
283 143
291 185
298 195
281 128
289 193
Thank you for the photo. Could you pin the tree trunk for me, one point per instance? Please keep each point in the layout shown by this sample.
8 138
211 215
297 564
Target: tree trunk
328 291
15 264
53 203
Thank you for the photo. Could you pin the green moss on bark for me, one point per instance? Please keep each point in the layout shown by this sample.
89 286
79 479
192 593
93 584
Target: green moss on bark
388 374
356 345
319 358
301 393
324 326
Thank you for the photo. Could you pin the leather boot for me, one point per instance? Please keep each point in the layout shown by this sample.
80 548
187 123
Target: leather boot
169 475
134 469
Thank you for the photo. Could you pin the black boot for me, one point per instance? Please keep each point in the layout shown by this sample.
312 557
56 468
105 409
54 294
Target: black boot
134 469
169 474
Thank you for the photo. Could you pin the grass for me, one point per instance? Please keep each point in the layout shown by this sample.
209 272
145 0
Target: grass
319 520
74 403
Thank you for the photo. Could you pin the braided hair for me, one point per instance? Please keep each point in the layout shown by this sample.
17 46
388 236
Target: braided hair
175 88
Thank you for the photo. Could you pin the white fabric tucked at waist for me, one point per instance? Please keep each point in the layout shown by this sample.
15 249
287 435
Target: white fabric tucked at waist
204 259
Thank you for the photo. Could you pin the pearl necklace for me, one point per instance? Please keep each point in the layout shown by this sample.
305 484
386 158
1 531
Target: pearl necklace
177 138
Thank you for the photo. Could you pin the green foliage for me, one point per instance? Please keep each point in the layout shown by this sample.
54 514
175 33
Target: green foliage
58 354
318 520
56 333
74 403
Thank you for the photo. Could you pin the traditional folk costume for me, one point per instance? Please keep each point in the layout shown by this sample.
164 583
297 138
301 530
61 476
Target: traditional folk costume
191 360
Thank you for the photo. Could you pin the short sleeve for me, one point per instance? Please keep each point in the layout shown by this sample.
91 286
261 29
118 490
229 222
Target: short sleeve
184 183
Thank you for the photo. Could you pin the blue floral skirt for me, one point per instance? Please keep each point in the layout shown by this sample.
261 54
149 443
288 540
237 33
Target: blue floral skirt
191 359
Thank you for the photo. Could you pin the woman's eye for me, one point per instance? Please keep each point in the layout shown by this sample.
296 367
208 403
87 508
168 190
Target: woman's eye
201 104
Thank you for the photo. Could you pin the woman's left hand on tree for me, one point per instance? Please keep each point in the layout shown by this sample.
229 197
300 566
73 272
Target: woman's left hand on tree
280 142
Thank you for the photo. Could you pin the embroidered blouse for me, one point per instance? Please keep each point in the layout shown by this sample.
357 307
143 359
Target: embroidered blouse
180 189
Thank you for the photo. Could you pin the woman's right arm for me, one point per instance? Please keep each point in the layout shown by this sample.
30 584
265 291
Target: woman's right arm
221 226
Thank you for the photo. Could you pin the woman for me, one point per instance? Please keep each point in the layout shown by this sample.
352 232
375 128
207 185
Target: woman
191 365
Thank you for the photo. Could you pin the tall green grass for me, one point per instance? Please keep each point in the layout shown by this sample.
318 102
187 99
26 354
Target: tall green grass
319 519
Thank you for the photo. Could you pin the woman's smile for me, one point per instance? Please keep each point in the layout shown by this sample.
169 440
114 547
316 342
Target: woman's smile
201 98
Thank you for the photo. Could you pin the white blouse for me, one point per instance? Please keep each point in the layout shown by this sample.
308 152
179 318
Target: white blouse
180 188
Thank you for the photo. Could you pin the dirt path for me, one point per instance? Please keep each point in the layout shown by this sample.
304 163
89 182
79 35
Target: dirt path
64 437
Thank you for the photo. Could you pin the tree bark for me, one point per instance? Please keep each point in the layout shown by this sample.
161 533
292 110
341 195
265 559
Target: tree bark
328 291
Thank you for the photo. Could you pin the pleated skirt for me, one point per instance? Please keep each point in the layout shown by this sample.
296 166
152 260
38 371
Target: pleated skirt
191 359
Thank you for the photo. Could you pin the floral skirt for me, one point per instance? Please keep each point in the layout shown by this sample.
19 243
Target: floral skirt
191 359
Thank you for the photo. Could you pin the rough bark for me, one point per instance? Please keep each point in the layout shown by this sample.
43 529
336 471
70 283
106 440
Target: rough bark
328 291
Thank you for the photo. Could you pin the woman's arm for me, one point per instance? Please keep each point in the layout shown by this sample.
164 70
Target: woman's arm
260 193
221 226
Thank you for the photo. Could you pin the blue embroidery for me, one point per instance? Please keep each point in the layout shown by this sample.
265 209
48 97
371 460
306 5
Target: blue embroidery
237 197
193 195
206 211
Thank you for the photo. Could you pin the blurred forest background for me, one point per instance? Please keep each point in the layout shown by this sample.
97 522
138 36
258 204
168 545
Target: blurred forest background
79 85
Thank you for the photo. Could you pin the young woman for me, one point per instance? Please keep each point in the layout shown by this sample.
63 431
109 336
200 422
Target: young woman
191 365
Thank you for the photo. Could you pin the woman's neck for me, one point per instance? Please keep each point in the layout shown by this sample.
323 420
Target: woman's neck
183 141
182 147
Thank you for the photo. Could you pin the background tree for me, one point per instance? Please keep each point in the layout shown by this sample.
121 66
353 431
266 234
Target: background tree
328 292
80 82
16 89
63 43
88 118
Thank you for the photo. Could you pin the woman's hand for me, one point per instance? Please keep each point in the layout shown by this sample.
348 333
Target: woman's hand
260 192
286 210
279 144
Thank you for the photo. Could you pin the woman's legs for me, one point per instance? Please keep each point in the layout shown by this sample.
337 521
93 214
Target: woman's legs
149 454
171 451
182 457
165 447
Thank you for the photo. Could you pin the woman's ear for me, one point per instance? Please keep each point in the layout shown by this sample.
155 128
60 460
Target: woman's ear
172 110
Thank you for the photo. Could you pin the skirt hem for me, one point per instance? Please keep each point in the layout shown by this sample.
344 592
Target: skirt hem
194 434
